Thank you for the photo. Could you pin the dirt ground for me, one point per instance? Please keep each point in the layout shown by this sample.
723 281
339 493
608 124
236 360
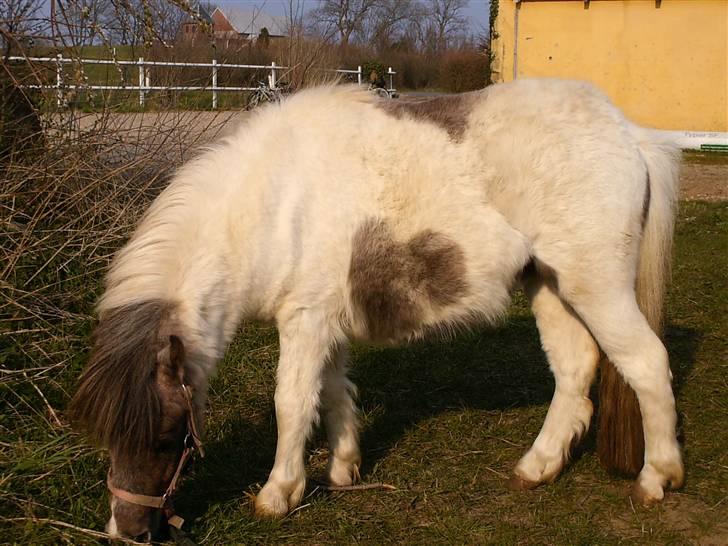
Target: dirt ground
704 175
705 179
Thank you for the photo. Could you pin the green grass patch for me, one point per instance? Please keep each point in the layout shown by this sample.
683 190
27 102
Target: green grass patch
444 422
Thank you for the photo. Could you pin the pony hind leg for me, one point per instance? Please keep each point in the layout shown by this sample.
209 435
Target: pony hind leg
341 420
573 356
306 342
622 331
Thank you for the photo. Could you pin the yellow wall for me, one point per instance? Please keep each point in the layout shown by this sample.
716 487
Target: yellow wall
664 63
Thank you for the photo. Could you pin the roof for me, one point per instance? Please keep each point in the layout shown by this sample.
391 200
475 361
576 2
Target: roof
252 21
202 12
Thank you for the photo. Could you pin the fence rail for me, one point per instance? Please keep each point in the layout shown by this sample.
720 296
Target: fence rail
144 82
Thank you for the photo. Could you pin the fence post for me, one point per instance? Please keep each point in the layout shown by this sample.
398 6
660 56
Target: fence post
214 84
272 81
358 74
391 75
141 81
59 80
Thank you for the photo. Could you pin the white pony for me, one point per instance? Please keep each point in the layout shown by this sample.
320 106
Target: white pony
340 218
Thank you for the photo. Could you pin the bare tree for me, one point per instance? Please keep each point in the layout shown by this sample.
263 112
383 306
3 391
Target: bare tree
167 18
78 23
390 21
346 17
446 20
123 25
19 21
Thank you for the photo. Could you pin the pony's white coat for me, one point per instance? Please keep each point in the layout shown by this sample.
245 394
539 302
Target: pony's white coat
261 226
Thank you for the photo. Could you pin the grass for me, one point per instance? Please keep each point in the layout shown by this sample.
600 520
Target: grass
443 422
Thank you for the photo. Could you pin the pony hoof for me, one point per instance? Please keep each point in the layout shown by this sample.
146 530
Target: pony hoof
516 483
646 497
275 500
676 476
341 473
264 510
270 504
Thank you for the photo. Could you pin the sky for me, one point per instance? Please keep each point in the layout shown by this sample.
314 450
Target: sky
476 11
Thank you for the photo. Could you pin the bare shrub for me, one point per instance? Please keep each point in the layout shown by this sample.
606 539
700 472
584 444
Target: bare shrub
72 186
464 70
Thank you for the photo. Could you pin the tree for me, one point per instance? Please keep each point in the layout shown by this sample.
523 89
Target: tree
263 40
167 17
122 24
345 17
445 20
389 22
79 22
19 22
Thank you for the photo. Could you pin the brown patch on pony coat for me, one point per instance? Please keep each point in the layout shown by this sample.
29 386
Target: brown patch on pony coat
118 401
392 282
448 112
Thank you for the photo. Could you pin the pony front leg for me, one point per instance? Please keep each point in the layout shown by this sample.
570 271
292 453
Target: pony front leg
341 420
306 342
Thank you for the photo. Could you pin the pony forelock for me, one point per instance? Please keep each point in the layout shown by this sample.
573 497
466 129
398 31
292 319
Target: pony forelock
117 401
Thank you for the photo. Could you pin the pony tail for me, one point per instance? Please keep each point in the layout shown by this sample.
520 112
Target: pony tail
620 440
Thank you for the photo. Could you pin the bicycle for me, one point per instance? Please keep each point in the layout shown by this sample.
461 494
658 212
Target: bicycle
265 93
380 92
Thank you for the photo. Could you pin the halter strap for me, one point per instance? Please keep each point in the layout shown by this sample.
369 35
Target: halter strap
192 443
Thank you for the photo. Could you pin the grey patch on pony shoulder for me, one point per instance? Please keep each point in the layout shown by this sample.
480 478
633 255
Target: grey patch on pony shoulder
392 282
449 112
117 400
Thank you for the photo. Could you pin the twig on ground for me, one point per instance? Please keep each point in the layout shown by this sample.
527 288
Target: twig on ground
357 487
494 471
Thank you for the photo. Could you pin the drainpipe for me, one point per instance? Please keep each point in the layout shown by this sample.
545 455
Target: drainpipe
517 9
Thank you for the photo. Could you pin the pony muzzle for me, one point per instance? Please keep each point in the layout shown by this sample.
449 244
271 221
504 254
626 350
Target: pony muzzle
130 521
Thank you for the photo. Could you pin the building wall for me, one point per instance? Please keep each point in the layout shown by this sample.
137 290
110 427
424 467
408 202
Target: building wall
665 63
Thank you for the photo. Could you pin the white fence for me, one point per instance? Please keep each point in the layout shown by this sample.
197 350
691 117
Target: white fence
144 81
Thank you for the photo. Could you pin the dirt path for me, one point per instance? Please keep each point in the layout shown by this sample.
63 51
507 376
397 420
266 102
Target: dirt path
704 182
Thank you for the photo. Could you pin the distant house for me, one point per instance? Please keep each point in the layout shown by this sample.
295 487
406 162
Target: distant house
192 27
231 25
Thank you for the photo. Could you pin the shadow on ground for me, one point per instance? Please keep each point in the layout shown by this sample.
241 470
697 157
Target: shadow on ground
492 369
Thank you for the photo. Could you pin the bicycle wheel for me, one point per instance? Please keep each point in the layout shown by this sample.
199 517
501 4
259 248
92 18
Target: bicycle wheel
253 100
382 93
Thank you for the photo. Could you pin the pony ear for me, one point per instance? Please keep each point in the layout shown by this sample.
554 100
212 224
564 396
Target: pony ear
171 360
